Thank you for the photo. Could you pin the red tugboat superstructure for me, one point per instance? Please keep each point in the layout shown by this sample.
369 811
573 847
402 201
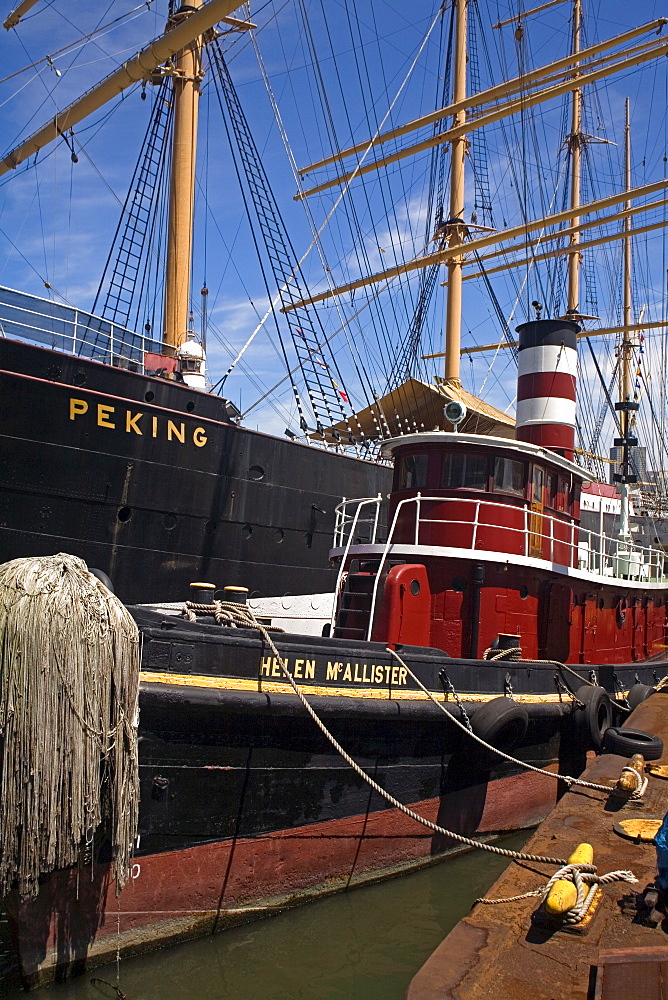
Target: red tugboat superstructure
482 537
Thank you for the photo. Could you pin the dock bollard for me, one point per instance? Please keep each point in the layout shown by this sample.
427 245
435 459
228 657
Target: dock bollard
563 895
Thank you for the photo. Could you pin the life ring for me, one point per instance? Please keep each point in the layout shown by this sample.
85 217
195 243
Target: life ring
638 694
501 722
620 611
595 718
627 742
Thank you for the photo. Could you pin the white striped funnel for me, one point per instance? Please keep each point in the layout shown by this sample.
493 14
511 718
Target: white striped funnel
546 384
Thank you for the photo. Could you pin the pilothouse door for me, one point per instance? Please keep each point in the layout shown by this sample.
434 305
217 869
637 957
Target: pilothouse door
535 517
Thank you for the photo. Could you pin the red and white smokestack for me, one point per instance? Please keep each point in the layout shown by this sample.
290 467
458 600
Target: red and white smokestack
546 381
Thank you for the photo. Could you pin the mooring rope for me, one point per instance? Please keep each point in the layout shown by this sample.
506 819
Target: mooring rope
246 615
566 778
69 675
586 882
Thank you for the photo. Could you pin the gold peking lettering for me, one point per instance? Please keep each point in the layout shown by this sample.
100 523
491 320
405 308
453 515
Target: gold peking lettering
179 432
103 414
113 417
77 407
131 422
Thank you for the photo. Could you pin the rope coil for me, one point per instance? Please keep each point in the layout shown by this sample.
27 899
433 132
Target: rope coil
586 882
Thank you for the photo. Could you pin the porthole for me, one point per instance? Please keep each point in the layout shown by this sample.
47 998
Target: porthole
210 527
190 406
79 378
246 531
524 592
279 535
124 514
601 604
415 587
169 521
256 472
459 584
149 396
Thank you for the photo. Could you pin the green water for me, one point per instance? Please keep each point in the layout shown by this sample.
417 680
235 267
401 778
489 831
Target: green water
366 944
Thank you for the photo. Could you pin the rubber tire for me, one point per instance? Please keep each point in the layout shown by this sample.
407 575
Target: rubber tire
500 722
626 742
103 578
638 694
595 718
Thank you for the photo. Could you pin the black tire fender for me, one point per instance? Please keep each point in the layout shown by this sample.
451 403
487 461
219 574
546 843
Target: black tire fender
627 741
501 722
595 718
638 694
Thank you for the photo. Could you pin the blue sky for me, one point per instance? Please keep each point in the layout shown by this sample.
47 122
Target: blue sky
58 219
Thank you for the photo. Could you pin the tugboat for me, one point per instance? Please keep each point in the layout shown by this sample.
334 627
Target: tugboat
482 536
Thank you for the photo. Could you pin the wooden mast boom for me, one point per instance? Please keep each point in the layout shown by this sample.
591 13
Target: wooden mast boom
484 96
499 112
135 69
484 241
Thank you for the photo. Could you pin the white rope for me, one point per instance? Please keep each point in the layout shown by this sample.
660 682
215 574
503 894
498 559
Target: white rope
248 616
641 781
488 746
586 882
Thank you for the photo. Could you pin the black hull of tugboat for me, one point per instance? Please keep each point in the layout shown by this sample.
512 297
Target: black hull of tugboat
247 808
149 481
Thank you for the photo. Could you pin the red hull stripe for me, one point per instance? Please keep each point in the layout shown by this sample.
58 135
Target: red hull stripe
190 893
546 384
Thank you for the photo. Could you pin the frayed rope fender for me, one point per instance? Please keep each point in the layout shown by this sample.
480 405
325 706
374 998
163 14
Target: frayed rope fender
69 681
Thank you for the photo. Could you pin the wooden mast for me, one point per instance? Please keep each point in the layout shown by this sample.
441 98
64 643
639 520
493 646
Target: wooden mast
575 141
186 80
627 345
626 351
455 227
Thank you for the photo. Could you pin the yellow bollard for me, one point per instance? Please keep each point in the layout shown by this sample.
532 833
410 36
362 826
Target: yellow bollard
563 895
627 781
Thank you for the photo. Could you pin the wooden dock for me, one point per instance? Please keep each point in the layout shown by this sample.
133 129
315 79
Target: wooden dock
496 951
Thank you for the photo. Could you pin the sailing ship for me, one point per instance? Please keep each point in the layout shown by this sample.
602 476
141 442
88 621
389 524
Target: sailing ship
114 449
246 806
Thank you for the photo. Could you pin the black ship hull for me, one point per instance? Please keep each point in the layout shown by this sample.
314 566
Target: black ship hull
150 481
247 808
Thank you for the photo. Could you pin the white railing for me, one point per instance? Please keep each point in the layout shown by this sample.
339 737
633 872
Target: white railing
72 331
541 535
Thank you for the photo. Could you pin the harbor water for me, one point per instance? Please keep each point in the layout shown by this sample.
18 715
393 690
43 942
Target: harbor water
365 944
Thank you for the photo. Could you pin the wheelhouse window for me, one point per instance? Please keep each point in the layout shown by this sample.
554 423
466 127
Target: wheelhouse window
550 489
413 472
510 476
563 491
465 472
537 484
